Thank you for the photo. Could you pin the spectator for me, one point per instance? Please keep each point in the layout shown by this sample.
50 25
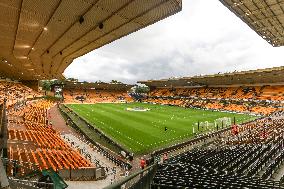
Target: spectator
165 157
142 163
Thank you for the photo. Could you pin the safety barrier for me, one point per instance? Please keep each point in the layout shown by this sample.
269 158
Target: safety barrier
3 131
139 180
108 155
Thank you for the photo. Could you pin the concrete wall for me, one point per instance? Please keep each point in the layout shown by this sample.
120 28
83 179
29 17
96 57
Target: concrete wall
86 173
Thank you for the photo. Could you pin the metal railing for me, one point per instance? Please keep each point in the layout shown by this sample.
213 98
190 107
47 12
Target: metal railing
94 128
139 180
4 182
15 175
3 131
106 153
20 169
199 138
27 184
1 117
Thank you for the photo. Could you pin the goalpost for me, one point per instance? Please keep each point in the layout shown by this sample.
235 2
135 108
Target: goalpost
211 126
223 122
203 126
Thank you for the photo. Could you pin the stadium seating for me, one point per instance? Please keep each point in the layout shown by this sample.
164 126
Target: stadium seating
95 96
246 160
35 141
258 100
15 92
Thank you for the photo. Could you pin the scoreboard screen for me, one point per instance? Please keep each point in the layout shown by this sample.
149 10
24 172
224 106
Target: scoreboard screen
58 91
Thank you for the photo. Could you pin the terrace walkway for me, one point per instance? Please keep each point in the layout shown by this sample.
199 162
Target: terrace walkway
58 122
70 135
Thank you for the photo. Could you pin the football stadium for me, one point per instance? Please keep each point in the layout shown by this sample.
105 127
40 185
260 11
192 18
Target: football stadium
222 130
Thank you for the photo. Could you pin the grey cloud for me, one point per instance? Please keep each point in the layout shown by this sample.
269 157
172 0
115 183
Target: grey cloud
204 38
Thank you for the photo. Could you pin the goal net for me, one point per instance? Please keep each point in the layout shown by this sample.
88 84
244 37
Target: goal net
212 126
223 122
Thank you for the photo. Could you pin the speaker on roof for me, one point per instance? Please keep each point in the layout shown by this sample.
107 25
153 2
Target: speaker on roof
81 19
101 25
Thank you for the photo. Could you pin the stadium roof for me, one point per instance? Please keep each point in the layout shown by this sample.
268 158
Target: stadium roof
265 17
253 77
39 39
97 86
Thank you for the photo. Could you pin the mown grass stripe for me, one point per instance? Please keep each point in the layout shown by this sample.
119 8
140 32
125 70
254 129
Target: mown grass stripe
143 131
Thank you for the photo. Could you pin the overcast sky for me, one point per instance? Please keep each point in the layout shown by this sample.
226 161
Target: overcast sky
204 38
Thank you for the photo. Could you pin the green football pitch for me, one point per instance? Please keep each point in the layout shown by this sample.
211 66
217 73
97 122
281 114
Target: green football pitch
162 125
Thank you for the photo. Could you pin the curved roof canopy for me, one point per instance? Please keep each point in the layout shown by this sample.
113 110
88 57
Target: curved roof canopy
97 86
268 76
40 38
265 17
